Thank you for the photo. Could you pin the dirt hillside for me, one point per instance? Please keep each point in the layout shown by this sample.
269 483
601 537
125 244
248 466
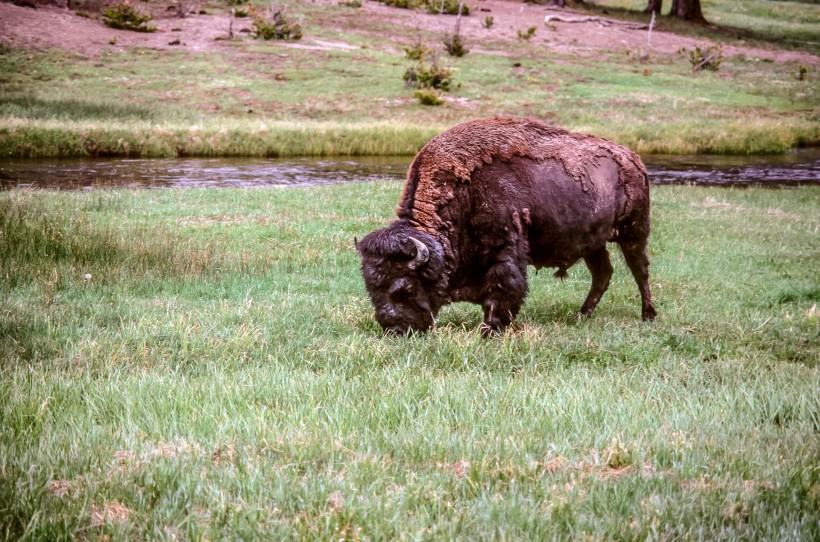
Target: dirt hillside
49 27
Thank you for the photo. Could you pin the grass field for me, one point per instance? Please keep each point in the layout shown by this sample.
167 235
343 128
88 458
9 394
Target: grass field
204 364
253 98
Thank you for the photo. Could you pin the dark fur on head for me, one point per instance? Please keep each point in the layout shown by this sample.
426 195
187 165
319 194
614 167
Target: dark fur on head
406 286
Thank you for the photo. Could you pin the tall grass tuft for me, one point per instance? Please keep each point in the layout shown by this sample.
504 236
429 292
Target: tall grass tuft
752 136
43 138
44 243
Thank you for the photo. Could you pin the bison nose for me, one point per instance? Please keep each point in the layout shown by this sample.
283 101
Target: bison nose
389 319
387 316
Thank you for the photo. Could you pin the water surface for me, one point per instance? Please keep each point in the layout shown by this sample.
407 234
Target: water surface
798 168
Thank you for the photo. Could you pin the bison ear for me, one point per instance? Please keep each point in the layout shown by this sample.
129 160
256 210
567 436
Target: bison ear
422 254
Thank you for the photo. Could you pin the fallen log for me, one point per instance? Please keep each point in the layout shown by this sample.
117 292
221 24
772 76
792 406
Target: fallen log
600 20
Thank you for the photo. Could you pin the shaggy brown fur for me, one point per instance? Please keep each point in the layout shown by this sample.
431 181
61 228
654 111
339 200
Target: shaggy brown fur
467 147
486 199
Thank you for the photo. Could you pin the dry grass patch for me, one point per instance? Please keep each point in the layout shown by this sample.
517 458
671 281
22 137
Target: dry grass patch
712 203
229 220
113 512
460 468
62 488
335 501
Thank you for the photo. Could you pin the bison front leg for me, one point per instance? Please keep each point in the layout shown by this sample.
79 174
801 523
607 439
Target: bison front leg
601 270
503 294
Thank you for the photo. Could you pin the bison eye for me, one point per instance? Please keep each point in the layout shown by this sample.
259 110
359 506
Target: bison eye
400 288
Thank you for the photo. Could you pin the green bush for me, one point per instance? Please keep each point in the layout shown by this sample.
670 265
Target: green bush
242 12
525 35
455 45
432 76
124 17
708 58
447 7
417 51
278 27
404 4
428 96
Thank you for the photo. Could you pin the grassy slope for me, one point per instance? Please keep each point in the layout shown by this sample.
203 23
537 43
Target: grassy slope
256 98
220 375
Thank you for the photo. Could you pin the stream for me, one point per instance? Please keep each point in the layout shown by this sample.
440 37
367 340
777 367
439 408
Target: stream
798 168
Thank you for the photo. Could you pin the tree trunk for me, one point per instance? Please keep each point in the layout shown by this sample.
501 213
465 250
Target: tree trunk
688 10
653 6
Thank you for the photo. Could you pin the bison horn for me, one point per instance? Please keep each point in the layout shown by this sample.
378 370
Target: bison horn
422 254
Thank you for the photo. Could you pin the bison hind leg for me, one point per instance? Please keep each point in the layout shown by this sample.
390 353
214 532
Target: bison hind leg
601 269
638 262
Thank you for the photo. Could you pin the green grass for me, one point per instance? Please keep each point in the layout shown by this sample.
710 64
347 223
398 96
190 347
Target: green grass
254 98
220 376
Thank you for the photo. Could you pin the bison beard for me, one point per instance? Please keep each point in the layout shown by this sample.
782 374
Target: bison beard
488 197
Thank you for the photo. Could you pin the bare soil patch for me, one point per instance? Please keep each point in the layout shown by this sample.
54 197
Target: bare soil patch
50 27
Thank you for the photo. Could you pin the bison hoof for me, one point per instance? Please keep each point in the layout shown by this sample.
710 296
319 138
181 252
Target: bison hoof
649 314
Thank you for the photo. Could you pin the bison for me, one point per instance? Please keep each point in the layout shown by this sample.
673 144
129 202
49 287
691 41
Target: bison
486 198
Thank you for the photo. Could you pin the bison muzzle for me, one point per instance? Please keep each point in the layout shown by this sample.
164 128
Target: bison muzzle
487 198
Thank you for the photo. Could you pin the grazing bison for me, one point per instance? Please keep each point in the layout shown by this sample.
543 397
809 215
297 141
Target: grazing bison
484 199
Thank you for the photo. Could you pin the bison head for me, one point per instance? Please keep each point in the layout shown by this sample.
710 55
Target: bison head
403 269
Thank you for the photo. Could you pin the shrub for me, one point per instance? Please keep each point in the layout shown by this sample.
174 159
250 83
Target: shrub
417 51
432 76
351 3
447 7
708 58
454 45
428 96
488 22
525 35
404 4
124 17
278 27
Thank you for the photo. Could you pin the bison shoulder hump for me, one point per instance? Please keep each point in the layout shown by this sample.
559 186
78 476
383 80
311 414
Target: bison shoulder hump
459 151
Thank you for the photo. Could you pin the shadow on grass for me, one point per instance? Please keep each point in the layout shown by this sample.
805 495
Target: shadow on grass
40 242
798 41
23 337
